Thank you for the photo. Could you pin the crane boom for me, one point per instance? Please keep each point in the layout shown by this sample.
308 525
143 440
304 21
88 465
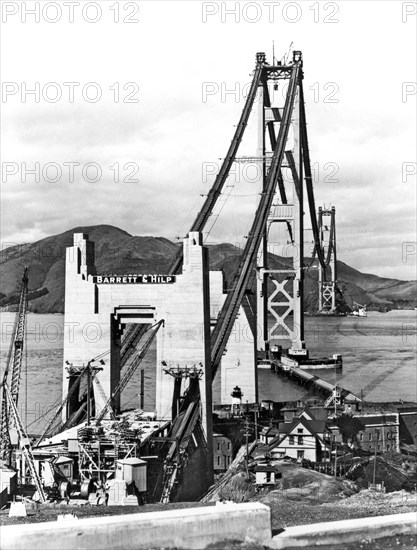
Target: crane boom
15 361
131 337
148 339
19 338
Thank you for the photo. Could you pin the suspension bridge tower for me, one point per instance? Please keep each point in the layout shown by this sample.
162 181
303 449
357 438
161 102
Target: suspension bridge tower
280 287
328 273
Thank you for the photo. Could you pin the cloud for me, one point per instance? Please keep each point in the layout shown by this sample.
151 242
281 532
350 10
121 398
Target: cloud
172 131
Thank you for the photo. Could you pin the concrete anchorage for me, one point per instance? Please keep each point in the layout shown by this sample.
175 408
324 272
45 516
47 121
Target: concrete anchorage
98 306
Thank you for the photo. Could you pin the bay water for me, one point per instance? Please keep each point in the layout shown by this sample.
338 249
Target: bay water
379 360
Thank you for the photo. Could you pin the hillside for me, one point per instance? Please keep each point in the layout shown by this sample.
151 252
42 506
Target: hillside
119 252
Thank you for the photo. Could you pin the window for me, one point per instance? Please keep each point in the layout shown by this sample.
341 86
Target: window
268 477
388 447
361 436
300 454
218 446
291 440
218 461
300 440
300 430
370 437
228 446
379 447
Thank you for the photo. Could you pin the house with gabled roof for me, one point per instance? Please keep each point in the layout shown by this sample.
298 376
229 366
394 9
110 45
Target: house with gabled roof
268 434
303 438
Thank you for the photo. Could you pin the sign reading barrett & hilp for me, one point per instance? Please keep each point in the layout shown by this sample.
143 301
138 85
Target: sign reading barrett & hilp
133 279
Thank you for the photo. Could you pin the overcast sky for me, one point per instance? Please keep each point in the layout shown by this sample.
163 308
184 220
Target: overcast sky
175 120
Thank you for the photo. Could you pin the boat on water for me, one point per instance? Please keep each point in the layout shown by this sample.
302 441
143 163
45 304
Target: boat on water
334 362
359 311
265 364
288 362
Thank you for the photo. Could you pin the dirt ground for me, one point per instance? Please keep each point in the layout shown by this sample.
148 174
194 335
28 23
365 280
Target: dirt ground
288 512
300 497
402 542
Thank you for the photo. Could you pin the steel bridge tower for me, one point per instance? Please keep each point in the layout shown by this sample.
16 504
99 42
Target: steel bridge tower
327 275
280 288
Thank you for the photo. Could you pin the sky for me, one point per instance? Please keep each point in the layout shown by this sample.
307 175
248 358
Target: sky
134 105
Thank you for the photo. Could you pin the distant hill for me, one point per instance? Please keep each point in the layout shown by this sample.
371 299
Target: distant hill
119 252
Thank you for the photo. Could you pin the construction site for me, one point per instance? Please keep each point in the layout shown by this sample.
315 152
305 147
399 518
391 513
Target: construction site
91 451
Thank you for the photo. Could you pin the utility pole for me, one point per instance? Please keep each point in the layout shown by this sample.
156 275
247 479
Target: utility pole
376 448
88 394
246 435
142 389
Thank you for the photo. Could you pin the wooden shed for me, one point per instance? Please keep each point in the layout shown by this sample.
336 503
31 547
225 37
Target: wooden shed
265 474
65 467
132 469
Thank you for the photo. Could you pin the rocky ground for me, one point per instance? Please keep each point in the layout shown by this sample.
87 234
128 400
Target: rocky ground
300 497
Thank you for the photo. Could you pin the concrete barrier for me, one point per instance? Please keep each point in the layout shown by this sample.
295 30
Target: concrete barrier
350 530
186 528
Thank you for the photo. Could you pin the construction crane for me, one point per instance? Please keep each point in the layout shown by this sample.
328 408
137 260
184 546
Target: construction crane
145 345
24 443
130 340
14 361
65 425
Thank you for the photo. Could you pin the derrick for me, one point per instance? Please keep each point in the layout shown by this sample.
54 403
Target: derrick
14 363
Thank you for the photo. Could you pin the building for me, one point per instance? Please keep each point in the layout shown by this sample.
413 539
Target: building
65 467
408 423
222 452
267 435
379 430
302 438
265 474
8 482
309 411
